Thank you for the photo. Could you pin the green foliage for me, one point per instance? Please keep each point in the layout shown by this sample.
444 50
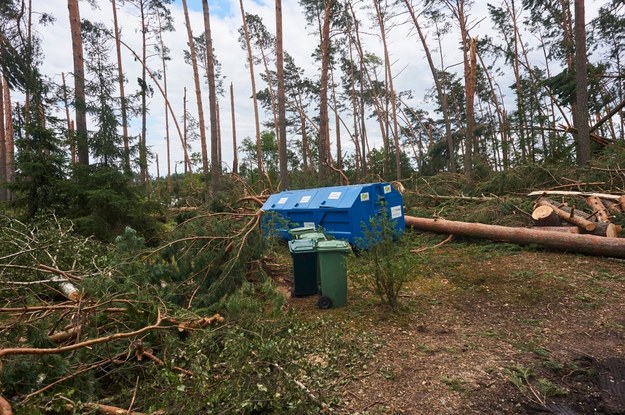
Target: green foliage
259 361
387 264
102 202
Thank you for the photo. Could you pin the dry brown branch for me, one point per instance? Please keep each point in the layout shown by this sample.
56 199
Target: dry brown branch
468 198
45 351
571 193
425 248
5 407
256 199
339 171
105 409
65 335
577 184
144 353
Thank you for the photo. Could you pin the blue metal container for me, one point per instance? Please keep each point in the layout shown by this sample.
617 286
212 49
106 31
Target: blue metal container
341 211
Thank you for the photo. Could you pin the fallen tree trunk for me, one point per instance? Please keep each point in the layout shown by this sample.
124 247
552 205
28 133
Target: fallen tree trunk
570 217
585 244
609 230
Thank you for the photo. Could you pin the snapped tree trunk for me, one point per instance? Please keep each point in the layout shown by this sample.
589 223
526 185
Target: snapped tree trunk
235 152
79 83
585 244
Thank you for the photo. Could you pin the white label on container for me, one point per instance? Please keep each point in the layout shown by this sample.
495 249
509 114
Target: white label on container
309 224
305 199
387 189
334 195
364 196
282 200
395 212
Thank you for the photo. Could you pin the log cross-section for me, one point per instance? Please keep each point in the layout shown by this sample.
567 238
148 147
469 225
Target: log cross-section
545 216
570 217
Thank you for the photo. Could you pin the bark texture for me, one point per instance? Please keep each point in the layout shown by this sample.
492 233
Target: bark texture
585 244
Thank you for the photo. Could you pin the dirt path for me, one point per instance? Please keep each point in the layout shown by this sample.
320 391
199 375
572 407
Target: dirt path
496 332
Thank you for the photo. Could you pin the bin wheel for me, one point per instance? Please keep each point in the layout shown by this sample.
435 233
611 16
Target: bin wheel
324 302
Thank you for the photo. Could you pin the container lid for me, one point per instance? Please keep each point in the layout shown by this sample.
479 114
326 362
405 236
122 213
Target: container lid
316 236
300 230
302 245
334 246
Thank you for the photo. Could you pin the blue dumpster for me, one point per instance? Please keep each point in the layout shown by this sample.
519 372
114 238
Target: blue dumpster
341 211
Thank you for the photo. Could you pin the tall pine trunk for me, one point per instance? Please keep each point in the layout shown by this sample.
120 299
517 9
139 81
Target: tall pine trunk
250 61
324 125
122 92
581 87
82 146
9 154
442 94
3 147
212 102
284 172
198 90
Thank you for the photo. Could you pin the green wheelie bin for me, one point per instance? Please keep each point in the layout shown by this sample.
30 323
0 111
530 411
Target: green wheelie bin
304 254
297 232
332 268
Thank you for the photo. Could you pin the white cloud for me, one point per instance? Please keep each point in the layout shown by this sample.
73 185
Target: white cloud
410 67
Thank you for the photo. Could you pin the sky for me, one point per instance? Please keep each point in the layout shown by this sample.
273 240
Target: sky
409 65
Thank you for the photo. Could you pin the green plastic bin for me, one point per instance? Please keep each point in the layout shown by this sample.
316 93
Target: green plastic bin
304 254
315 236
297 232
331 258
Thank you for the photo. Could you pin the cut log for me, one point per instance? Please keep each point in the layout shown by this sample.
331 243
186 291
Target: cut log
598 208
585 244
603 229
621 202
565 207
569 193
570 218
545 216
613 207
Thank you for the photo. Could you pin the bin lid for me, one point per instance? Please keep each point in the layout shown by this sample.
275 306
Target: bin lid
334 246
301 230
316 236
302 245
